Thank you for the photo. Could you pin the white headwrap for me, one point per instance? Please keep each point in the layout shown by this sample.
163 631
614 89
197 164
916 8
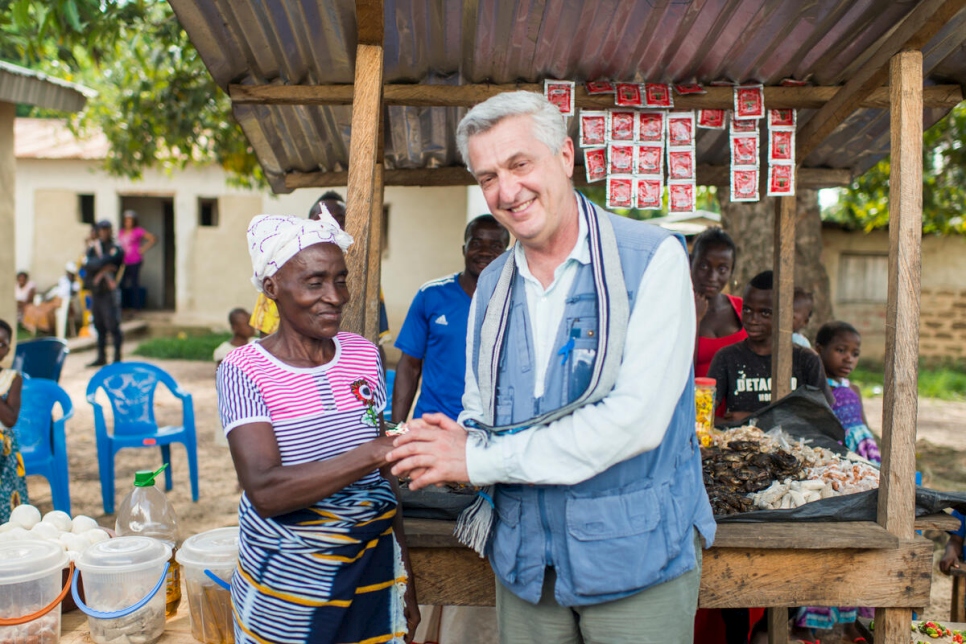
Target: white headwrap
275 239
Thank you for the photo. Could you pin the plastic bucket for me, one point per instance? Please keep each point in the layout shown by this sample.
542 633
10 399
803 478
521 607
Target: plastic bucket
31 591
123 581
209 560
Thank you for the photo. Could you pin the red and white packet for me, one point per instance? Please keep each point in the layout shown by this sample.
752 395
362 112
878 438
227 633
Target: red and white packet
781 146
594 128
749 102
620 158
744 150
649 160
680 164
650 127
623 125
620 191
680 129
781 179
648 192
782 118
658 95
595 164
689 88
682 196
628 95
561 94
744 183
597 88
712 119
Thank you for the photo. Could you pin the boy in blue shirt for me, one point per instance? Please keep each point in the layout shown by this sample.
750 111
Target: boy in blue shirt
433 337
955 553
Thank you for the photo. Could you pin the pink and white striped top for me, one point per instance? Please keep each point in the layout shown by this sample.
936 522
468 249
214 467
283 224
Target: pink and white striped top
318 412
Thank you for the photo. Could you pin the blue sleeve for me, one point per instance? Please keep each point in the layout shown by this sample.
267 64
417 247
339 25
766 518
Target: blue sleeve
413 335
962 525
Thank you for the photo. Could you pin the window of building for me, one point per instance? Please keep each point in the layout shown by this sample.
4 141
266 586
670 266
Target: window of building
863 277
85 206
207 212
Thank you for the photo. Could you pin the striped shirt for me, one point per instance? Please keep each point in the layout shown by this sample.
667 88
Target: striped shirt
318 412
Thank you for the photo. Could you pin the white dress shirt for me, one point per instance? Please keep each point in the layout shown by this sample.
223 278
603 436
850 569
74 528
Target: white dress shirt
633 417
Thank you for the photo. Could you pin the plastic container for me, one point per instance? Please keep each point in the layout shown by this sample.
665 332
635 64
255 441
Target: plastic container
704 409
145 512
208 561
123 582
30 581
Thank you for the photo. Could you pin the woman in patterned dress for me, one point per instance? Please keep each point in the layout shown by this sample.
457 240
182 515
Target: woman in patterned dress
13 477
321 553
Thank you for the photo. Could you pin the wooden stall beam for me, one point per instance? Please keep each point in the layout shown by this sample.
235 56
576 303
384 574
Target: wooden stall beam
364 148
708 175
415 95
897 511
922 23
731 577
369 23
374 269
783 296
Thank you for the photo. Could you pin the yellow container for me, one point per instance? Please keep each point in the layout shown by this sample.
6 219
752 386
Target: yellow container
704 409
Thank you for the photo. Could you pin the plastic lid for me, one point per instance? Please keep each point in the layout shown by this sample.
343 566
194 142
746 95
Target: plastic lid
145 478
124 554
212 549
705 382
22 561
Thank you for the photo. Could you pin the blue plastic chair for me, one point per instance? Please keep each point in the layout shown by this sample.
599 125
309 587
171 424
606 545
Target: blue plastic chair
130 387
390 382
41 358
43 444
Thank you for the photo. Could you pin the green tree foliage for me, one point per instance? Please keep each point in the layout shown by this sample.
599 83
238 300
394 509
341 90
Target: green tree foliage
156 102
865 204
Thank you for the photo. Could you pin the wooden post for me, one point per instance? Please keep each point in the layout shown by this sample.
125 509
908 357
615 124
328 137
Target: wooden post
363 150
374 270
783 298
896 512
8 222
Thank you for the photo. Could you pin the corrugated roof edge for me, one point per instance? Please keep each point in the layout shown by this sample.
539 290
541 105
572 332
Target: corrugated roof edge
27 86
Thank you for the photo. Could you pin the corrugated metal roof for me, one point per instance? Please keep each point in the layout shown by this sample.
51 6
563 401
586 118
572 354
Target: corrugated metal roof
52 139
505 41
29 87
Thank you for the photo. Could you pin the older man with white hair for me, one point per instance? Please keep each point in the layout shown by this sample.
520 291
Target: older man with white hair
579 405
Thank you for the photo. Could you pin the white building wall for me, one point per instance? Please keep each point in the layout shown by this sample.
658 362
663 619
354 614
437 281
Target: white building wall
425 229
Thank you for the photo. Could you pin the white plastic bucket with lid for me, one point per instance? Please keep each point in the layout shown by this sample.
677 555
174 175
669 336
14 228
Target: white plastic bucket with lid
30 587
122 578
209 560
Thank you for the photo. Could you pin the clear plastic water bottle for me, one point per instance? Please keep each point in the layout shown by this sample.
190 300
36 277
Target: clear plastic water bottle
146 512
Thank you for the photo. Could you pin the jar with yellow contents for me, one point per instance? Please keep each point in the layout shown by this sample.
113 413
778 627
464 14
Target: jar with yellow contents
704 409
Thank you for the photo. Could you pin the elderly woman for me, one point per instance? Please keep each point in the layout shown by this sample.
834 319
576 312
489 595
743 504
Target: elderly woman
322 556
719 315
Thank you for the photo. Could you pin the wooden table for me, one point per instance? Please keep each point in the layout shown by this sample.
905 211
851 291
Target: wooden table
751 564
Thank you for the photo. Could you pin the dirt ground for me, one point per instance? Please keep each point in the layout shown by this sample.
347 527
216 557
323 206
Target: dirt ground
941 451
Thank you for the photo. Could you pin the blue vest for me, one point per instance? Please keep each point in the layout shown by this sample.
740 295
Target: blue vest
627 528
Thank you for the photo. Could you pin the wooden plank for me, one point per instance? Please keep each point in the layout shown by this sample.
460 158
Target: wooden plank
896 511
803 536
783 297
428 533
778 625
900 393
731 577
940 521
708 175
921 24
417 95
363 149
369 22
452 577
374 265
957 604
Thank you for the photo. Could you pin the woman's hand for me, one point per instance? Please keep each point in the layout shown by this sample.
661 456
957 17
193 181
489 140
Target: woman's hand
950 558
700 306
